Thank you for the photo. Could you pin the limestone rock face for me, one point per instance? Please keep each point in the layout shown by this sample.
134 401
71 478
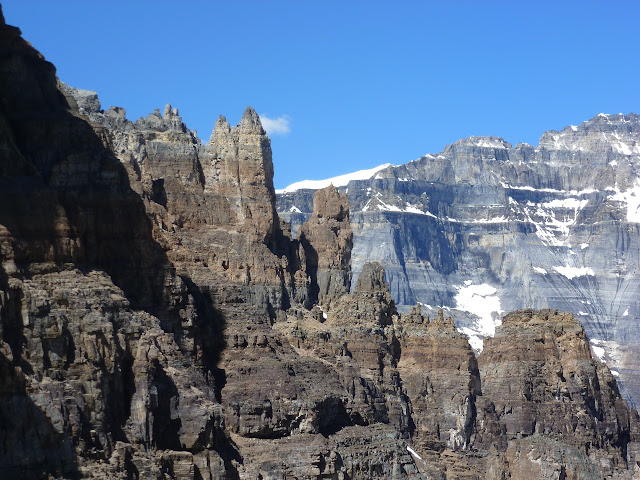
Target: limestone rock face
327 241
441 378
83 285
513 226
211 205
239 168
157 320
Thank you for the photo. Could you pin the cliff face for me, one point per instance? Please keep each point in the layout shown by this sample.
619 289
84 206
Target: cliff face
552 387
496 227
327 241
157 320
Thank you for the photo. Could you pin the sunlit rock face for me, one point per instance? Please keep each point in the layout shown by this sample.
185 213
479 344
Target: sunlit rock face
157 320
484 227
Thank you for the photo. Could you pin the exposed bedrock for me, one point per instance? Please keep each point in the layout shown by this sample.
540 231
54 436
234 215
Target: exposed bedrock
157 320
484 228
327 240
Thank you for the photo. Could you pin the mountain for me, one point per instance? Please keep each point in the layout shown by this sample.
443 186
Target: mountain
483 228
158 320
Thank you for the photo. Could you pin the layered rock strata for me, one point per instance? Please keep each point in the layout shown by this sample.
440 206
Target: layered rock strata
551 386
485 227
158 321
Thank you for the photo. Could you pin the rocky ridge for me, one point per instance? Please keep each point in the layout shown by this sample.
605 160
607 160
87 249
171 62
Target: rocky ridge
484 228
157 320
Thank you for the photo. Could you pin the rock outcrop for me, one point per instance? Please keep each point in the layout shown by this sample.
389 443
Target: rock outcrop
157 320
92 312
484 227
327 240
441 378
551 386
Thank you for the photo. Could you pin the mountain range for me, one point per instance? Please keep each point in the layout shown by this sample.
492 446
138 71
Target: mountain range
484 227
160 320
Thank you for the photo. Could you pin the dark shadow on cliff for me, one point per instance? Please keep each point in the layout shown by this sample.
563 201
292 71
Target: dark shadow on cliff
66 202
311 269
165 428
210 326
64 197
30 446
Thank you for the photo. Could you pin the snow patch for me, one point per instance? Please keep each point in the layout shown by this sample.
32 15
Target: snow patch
540 270
482 301
631 198
387 208
575 193
486 142
566 203
583 246
625 149
295 209
626 312
608 351
412 452
339 181
598 351
573 272
501 219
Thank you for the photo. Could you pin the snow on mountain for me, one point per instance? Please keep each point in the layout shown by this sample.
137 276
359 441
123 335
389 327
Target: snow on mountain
483 227
338 181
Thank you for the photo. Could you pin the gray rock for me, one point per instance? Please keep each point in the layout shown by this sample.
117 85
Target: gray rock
484 227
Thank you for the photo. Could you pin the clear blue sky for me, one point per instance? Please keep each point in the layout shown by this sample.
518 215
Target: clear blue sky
359 83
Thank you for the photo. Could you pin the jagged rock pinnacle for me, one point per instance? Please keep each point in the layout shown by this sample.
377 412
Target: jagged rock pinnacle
328 240
250 123
371 279
222 126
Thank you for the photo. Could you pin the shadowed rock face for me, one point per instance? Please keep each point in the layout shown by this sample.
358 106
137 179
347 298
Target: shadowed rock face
158 321
90 306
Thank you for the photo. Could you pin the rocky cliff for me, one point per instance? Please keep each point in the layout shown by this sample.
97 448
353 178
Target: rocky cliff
157 320
484 227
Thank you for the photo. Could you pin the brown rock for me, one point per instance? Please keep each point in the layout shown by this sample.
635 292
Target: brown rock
327 241
541 378
440 375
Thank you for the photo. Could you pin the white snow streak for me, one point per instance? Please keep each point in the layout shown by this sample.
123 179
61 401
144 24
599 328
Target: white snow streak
598 351
339 181
631 198
482 301
412 452
573 272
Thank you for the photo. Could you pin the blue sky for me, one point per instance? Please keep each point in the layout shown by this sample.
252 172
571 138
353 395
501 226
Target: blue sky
351 84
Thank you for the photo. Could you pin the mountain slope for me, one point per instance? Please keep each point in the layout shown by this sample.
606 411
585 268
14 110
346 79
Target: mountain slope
157 320
484 227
